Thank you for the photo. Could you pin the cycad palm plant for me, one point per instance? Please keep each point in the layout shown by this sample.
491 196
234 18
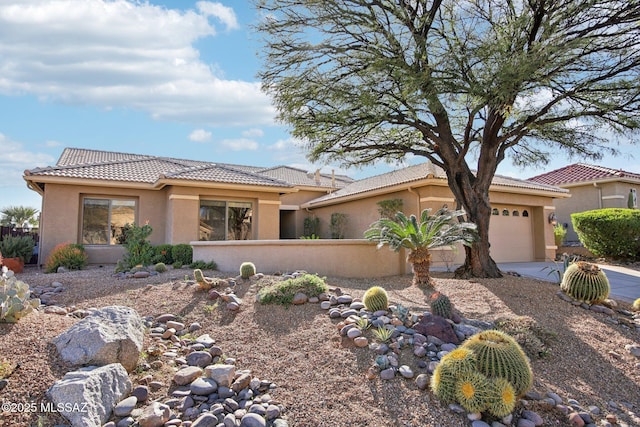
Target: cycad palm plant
433 231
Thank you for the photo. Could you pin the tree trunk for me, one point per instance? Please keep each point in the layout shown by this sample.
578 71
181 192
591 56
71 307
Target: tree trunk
420 260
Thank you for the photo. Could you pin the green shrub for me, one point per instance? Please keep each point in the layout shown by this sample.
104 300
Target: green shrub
203 265
182 253
14 298
338 225
160 267
17 247
609 232
162 253
247 269
138 250
284 291
71 256
311 226
559 234
176 264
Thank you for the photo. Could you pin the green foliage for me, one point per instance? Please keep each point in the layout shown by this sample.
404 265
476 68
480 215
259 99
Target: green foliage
311 237
375 299
203 265
138 250
17 247
609 232
441 305
498 355
401 312
432 231
176 264
533 338
283 292
632 199
311 226
383 334
585 282
162 253
389 207
560 267
182 253
247 269
15 302
559 234
71 256
160 267
363 323
338 225
18 215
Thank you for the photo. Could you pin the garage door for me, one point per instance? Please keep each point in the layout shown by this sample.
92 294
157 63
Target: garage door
511 234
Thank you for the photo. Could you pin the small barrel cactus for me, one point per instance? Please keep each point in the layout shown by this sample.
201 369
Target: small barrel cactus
501 398
472 391
204 282
376 298
636 305
247 269
585 282
498 355
441 305
443 383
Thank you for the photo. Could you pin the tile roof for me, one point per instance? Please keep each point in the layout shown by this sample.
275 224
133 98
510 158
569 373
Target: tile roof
415 173
300 177
125 167
580 172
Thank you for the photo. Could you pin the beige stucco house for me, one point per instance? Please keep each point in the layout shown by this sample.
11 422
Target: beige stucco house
234 213
591 187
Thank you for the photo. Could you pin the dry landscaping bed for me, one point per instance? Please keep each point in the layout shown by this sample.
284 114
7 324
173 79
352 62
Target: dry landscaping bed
321 376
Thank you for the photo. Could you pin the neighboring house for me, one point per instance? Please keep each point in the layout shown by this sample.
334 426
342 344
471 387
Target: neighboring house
591 187
88 196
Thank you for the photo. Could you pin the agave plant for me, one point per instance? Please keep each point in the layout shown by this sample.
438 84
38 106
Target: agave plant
432 231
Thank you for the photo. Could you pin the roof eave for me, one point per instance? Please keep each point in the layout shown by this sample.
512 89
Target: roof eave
624 179
164 182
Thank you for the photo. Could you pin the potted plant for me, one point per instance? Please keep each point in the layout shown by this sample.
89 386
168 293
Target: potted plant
16 251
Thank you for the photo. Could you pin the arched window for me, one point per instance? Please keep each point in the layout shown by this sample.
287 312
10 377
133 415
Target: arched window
515 213
525 213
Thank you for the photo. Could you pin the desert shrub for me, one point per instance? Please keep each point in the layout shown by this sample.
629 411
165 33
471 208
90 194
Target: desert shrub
71 256
611 232
283 292
138 250
338 225
160 267
311 226
203 265
176 264
17 247
162 253
559 234
15 302
533 338
182 253
247 269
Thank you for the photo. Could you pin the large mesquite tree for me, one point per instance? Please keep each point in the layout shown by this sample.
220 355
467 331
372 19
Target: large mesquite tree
456 82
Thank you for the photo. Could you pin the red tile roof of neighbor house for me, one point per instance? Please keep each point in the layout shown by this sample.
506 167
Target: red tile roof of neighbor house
580 172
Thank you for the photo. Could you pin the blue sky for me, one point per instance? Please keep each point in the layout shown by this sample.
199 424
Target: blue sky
168 78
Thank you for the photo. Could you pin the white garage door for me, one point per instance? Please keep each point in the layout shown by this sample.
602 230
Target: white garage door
511 235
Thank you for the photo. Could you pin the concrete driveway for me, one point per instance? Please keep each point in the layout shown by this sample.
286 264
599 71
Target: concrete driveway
625 282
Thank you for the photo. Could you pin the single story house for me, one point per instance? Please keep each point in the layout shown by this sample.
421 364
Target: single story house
591 187
234 213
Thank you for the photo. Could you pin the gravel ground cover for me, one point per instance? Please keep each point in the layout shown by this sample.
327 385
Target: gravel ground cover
320 375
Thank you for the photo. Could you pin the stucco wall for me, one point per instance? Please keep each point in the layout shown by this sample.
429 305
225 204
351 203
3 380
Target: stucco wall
62 210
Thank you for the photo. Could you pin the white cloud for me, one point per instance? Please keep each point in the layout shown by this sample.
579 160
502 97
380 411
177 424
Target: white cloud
225 14
124 54
289 144
200 135
52 144
240 144
15 160
253 133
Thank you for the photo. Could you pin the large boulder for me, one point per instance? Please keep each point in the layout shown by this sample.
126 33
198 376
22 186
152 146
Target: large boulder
86 397
110 335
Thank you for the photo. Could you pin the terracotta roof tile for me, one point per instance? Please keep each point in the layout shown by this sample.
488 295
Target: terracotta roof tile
419 172
300 177
580 172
